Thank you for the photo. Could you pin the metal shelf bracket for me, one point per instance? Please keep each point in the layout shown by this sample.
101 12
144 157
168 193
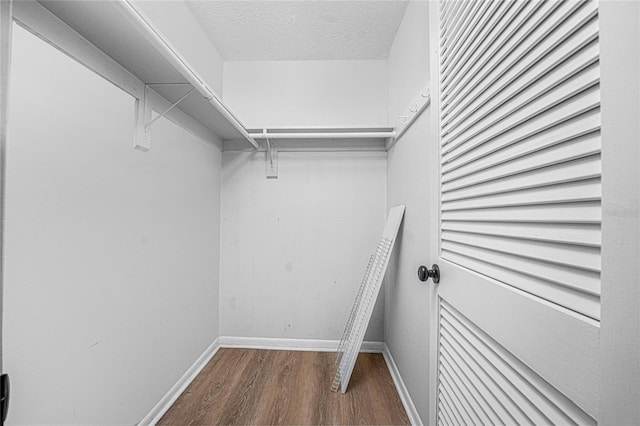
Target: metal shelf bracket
271 157
143 122
142 135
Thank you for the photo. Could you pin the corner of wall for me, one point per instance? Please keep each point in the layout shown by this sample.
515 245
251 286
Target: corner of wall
220 210
406 314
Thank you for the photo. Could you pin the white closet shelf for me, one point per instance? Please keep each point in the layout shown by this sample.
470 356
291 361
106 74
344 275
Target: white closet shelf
117 41
361 138
125 35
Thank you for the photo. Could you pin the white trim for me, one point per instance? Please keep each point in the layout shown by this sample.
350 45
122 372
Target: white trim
176 390
619 360
292 344
403 392
433 199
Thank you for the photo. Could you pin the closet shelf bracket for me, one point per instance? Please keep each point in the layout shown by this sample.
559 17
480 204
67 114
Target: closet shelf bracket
271 157
143 123
416 108
173 105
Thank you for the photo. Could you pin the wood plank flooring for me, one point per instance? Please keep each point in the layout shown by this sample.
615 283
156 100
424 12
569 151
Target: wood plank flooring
260 387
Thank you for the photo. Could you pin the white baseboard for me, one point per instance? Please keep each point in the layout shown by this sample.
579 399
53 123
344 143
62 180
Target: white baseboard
176 390
292 344
409 407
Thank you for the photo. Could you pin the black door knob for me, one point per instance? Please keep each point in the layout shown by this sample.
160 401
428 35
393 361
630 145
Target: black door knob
424 274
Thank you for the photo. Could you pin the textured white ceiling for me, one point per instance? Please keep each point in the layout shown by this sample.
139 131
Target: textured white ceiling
270 30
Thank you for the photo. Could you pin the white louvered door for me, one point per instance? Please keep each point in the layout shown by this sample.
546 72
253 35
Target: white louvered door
519 224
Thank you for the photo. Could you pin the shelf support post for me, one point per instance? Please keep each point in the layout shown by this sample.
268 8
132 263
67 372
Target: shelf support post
142 138
142 133
271 157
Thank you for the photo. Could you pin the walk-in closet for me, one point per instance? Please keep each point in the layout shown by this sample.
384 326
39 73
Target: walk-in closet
263 212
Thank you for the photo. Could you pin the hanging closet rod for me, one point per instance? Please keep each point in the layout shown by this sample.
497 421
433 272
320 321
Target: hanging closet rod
324 135
181 66
326 149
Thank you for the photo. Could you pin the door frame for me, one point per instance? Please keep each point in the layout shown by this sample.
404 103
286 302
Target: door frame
619 353
620 296
6 30
433 195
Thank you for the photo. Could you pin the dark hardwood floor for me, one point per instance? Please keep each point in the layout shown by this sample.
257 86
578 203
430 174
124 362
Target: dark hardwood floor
260 387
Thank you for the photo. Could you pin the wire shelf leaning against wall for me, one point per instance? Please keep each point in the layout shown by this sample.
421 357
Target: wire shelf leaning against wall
360 316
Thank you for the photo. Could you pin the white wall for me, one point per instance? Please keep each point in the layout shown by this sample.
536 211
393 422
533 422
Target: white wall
408 61
294 249
307 93
176 22
406 298
111 255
